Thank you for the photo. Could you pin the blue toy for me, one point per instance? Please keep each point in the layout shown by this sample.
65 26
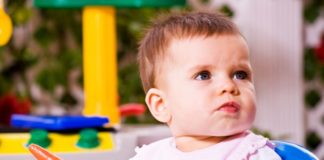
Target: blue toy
57 122
291 151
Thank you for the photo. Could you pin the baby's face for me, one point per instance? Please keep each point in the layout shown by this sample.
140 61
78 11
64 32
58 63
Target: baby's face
208 88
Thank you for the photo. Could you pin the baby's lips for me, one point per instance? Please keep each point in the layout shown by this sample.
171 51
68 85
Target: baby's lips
41 154
232 105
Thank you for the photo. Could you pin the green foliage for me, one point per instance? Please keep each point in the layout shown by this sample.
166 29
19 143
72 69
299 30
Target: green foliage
57 68
313 71
130 85
44 36
312 98
313 140
204 1
310 64
311 13
68 99
52 30
4 84
70 59
313 10
21 61
52 75
58 38
261 132
21 16
129 30
132 120
313 67
19 12
226 9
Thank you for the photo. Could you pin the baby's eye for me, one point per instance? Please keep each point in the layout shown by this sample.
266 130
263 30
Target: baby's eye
204 75
240 75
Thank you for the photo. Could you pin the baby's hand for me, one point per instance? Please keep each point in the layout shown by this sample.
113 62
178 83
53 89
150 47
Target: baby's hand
41 154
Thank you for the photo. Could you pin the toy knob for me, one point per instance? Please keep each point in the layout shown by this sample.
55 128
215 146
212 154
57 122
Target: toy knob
88 138
39 137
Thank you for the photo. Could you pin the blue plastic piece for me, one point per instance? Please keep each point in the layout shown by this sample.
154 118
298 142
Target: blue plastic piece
57 122
291 151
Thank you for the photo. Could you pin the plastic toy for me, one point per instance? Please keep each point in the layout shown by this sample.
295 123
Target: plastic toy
40 153
57 123
291 151
5 25
132 109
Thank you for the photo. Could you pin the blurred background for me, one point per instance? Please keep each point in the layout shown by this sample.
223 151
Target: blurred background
41 66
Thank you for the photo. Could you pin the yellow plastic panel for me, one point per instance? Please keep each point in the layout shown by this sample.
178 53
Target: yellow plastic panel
14 143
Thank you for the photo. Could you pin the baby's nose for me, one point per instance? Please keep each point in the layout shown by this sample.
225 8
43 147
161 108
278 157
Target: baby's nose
227 86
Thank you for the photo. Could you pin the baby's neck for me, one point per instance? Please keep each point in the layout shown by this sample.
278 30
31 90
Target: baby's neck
192 143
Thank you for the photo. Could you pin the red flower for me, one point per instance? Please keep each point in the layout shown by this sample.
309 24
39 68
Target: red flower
319 50
9 105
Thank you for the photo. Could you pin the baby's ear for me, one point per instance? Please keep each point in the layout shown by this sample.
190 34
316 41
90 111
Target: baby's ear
155 101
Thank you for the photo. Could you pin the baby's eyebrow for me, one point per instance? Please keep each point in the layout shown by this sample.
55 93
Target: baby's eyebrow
245 66
200 67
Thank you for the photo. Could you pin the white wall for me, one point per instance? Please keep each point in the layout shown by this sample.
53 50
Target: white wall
273 29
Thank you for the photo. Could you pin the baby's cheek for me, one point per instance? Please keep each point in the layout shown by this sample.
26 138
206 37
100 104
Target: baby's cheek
250 115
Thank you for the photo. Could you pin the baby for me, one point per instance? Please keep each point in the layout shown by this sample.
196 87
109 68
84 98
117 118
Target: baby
198 80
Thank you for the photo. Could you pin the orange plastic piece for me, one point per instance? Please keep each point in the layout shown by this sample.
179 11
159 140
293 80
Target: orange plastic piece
41 154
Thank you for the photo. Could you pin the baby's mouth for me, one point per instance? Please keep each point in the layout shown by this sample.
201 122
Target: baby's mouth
229 107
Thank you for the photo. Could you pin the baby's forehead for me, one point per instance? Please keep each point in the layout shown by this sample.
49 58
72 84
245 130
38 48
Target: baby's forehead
179 48
189 41
185 38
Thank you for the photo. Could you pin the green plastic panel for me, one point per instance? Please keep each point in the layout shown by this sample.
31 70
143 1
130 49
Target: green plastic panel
113 3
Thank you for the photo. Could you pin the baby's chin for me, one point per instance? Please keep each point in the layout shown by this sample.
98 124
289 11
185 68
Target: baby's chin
209 133
212 131
227 132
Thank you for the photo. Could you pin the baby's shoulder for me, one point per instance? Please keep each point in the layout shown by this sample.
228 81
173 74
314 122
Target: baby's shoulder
259 147
265 153
255 147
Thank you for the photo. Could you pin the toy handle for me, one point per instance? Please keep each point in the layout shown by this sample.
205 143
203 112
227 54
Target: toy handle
132 109
41 154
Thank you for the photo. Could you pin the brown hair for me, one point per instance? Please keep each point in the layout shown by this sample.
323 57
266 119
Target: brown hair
178 26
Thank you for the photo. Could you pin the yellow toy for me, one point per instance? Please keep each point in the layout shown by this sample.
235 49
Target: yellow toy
100 65
5 25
